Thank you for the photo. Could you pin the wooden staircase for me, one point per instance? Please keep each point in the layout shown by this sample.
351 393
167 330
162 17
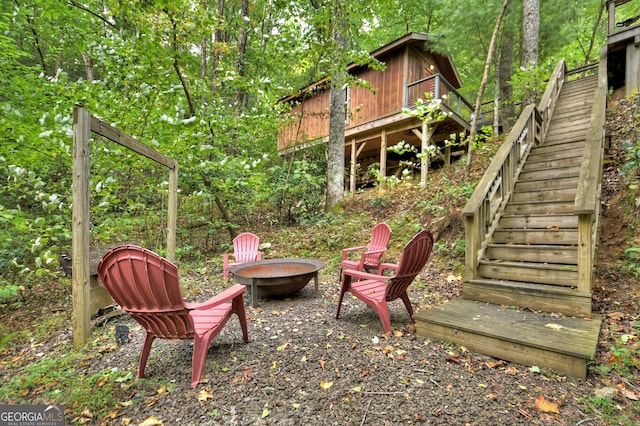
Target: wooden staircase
531 259
530 240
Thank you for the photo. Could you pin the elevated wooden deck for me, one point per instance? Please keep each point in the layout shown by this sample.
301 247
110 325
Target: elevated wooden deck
528 262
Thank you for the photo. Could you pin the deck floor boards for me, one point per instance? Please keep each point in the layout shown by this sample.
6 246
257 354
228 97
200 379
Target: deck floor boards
513 334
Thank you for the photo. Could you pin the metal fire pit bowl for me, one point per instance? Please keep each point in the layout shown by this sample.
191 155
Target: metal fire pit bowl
276 277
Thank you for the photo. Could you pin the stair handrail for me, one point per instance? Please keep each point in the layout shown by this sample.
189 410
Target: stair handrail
486 204
587 202
481 212
548 101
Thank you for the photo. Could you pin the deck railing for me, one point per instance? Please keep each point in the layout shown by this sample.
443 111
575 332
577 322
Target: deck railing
441 89
587 203
487 202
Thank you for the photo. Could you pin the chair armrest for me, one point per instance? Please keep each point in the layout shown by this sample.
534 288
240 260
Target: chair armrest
259 256
384 266
345 252
225 257
366 275
223 297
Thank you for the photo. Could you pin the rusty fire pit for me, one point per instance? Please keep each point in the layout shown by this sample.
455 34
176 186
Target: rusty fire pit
276 277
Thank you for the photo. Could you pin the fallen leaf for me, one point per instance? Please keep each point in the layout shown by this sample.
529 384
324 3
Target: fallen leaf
151 421
321 364
205 394
616 316
326 385
283 346
265 412
495 364
453 358
542 404
556 327
512 371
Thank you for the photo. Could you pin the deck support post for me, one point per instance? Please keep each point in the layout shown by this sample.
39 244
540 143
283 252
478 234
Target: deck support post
585 253
352 168
383 153
81 277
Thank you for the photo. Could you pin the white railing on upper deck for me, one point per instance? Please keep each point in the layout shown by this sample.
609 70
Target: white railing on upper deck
441 89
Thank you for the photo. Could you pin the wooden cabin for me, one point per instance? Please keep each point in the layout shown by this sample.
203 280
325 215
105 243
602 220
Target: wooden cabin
623 46
375 120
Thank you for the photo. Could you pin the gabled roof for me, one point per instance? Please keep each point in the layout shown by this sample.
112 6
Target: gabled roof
445 64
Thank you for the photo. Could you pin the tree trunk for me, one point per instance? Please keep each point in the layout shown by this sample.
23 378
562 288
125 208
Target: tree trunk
242 47
530 33
337 113
483 85
505 71
218 39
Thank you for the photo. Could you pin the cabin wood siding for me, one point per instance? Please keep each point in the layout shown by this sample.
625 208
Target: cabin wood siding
365 105
375 119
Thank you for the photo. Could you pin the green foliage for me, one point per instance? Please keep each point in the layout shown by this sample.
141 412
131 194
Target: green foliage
632 260
59 379
297 186
529 84
612 413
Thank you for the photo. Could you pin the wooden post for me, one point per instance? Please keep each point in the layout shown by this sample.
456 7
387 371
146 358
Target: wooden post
585 253
172 213
81 280
352 169
424 161
383 153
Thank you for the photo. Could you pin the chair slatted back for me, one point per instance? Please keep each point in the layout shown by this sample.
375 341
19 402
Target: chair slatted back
380 235
246 247
413 258
147 286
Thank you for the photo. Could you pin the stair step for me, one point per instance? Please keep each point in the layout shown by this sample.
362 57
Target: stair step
566 194
561 118
546 221
536 236
540 156
567 255
566 345
557 146
541 273
549 174
536 296
537 185
539 162
540 208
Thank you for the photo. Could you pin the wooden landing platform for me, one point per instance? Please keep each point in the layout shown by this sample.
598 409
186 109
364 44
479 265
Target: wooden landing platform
565 345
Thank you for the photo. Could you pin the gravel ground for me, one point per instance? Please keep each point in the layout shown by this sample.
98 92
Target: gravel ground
302 366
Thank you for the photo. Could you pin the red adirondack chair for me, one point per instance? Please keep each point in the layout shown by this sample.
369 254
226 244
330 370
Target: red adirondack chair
370 255
147 287
377 289
246 248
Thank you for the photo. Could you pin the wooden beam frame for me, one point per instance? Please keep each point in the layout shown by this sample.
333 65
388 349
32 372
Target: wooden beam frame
83 125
